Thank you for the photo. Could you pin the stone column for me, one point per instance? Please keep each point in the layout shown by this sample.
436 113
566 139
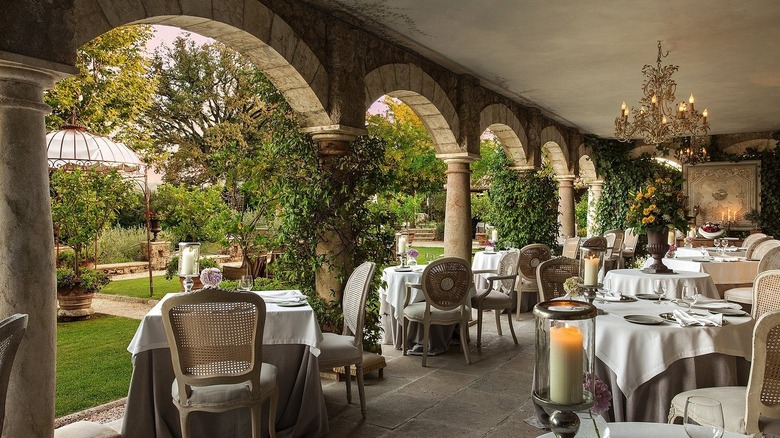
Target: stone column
566 206
457 216
594 193
27 268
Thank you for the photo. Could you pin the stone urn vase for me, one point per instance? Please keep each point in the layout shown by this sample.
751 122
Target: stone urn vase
657 246
155 226
74 302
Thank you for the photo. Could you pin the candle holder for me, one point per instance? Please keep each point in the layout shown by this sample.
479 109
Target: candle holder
565 355
402 243
592 255
189 256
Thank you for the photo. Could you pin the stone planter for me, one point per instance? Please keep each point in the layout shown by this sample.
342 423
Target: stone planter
74 303
657 246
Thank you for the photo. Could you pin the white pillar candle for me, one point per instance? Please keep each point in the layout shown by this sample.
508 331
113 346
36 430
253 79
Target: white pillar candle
566 365
671 239
401 244
494 235
591 271
188 262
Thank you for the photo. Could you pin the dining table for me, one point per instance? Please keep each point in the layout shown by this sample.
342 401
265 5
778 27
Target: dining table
391 310
636 282
636 430
484 260
290 342
727 271
645 363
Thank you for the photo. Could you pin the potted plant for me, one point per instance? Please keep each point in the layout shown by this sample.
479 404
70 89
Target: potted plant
83 203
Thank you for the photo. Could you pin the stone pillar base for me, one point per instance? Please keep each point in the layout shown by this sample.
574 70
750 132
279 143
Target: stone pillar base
161 251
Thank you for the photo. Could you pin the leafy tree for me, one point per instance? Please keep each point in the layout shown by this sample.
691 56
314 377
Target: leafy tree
84 203
209 115
190 212
523 206
111 90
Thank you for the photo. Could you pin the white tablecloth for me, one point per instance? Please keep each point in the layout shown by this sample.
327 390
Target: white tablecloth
638 430
636 353
484 261
634 281
284 325
732 271
712 251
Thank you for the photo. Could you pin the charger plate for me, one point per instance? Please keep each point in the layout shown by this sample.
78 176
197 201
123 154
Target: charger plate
644 319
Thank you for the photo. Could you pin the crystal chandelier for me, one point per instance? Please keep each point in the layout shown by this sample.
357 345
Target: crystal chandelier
659 119
691 153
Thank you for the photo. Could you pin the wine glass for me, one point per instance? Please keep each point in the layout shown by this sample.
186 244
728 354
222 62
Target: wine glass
246 282
703 418
716 244
689 295
658 289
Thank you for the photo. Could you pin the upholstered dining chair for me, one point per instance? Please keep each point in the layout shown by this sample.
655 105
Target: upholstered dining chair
216 341
346 349
11 332
746 408
630 240
446 284
744 295
752 238
498 295
750 252
530 258
570 247
551 274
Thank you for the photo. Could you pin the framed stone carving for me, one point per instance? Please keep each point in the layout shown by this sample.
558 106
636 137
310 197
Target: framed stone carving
723 192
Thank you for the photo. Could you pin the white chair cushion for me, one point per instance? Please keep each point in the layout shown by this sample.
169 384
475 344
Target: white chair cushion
338 349
494 299
732 399
86 429
416 312
216 395
742 295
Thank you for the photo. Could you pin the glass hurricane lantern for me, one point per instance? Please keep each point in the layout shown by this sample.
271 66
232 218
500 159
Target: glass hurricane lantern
189 259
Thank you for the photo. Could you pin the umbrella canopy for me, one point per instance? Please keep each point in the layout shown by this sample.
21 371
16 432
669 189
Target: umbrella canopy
73 146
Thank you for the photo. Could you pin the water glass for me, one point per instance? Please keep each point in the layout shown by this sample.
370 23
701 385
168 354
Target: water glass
689 295
246 282
658 289
703 418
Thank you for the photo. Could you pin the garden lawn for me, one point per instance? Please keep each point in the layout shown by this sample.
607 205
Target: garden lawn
93 364
139 287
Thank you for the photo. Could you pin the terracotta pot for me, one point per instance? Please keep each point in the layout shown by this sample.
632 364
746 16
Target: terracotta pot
657 246
74 302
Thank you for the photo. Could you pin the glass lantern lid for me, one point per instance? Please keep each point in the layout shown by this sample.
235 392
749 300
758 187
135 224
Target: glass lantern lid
74 146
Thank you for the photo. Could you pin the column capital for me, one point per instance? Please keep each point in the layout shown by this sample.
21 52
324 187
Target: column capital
334 132
458 157
565 180
23 68
524 168
596 184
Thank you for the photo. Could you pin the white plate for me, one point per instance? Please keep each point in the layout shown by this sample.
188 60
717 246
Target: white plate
644 319
292 304
651 297
728 312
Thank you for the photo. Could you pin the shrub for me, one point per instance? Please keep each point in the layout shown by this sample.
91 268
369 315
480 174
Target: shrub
119 245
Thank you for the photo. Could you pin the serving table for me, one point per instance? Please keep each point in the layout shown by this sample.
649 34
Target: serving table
634 281
290 342
645 366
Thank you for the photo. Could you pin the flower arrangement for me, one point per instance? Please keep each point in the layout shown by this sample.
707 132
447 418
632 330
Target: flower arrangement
89 280
211 277
573 286
688 241
711 227
413 253
603 398
158 215
672 249
660 204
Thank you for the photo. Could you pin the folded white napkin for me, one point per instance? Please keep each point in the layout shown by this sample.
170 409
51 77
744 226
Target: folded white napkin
703 302
608 296
687 319
282 296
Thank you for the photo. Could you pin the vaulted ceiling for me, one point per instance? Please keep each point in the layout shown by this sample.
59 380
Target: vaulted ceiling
578 60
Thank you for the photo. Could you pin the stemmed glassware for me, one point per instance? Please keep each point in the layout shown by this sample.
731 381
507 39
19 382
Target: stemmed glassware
605 290
689 296
246 282
716 244
703 418
659 290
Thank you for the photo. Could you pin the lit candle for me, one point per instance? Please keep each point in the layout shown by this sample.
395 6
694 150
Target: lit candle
728 215
494 235
721 216
591 271
704 114
566 365
401 244
670 238
188 262
690 100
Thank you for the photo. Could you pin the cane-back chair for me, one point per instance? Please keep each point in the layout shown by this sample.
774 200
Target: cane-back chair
530 258
551 275
498 296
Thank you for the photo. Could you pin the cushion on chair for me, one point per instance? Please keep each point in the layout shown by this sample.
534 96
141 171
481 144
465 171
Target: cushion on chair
494 299
338 349
216 395
529 285
86 429
743 295
732 399
416 312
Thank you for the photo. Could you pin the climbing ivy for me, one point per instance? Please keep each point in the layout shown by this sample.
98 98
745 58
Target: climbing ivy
523 206
770 175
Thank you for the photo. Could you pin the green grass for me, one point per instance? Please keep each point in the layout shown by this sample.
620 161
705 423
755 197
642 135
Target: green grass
139 287
93 364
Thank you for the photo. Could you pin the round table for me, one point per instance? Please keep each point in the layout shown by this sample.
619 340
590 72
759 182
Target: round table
634 281
484 261
638 430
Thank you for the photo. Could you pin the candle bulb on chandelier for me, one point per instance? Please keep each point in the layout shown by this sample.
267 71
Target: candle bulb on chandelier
704 115
690 100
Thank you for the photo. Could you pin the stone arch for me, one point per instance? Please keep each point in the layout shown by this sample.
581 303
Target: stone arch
557 158
551 135
507 127
587 169
759 144
411 85
248 27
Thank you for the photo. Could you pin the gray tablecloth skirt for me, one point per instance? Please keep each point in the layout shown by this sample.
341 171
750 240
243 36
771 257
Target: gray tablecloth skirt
651 401
150 412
